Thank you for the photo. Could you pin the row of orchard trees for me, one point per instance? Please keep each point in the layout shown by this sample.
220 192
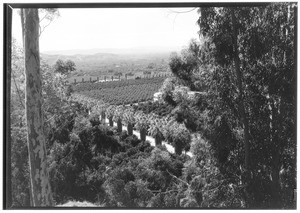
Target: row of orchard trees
160 129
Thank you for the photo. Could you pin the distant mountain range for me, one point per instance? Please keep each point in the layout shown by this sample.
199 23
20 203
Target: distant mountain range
134 51
106 58
79 58
102 60
83 56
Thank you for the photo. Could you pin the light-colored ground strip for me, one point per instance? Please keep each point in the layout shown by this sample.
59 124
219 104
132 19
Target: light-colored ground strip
77 204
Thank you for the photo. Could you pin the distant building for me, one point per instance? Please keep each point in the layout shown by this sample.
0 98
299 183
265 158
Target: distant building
157 96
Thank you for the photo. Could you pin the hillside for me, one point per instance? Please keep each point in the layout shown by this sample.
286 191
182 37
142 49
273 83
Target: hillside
106 63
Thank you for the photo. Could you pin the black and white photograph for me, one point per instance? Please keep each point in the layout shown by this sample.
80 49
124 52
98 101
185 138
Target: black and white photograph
159 106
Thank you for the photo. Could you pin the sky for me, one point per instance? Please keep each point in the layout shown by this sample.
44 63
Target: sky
121 28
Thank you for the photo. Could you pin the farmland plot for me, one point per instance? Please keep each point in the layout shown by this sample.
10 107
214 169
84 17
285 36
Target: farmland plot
121 92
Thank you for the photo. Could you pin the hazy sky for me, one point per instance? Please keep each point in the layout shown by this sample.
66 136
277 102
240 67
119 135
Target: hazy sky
116 28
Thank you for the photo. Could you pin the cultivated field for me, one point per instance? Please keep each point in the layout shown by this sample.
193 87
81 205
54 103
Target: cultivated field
121 92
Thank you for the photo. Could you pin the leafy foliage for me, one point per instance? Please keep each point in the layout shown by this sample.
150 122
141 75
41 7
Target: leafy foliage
56 110
97 163
114 169
157 108
64 67
266 51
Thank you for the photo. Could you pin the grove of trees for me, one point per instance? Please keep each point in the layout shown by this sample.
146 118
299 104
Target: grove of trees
246 63
240 127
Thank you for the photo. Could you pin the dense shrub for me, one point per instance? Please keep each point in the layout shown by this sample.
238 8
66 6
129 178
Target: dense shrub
20 169
100 165
158 108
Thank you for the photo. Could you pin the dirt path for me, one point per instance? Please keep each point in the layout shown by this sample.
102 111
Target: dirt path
151 140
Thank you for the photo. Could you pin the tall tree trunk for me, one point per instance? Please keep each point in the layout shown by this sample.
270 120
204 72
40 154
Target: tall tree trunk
275 166
242 112
275 153
23 34
39 178
23 26
7 110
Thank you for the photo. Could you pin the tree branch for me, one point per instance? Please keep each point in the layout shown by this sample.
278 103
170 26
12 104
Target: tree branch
43 18
183 11
42 30
157 191
178 178
23 26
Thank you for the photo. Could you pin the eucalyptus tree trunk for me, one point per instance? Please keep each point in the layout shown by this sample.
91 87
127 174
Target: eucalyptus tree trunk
7 113
39 179
242 112
275 149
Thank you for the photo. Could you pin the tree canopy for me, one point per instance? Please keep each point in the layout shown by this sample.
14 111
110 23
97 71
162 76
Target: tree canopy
64 67
260 43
